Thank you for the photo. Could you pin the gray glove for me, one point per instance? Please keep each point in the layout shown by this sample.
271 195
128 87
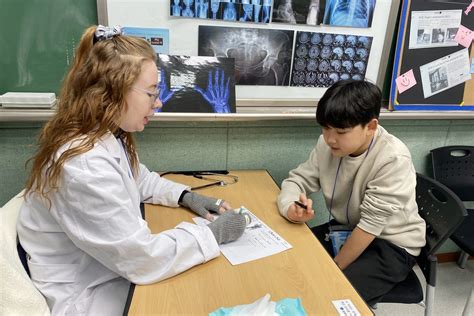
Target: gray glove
229 226
201 204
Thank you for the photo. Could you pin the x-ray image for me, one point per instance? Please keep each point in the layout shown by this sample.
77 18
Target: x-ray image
257 11
262 56
354 13
298 11
322 59
196 84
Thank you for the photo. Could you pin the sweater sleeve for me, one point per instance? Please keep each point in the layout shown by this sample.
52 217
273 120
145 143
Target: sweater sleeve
303 179
387 193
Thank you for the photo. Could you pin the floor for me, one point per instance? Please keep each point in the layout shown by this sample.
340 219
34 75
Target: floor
452 291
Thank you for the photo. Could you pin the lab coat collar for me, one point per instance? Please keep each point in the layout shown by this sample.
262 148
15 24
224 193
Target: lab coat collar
114 147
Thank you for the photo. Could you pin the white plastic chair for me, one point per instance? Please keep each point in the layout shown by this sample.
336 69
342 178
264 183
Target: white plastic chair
18 294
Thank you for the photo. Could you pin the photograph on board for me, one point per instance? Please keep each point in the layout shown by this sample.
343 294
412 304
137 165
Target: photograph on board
352 13
262 56
322 59
257 11
193 84
158 38
309 12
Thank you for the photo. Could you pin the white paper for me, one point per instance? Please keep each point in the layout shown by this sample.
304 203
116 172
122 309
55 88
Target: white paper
445 73
345 307
258 241
435 28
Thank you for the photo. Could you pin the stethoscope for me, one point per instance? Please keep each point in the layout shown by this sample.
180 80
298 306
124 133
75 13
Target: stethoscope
204 175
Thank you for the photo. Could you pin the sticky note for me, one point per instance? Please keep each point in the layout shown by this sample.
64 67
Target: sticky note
469 8
472 66
464 36
405 81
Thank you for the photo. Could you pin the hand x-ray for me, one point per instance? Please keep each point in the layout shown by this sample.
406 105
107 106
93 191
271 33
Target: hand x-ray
196 84
262 56
309 12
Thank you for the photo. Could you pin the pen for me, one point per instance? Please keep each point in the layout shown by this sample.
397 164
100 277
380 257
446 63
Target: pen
300 204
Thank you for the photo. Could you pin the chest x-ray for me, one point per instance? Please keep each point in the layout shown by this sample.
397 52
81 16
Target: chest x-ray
354 13
262 56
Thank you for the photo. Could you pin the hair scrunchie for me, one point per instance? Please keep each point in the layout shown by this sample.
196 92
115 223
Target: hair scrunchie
103 33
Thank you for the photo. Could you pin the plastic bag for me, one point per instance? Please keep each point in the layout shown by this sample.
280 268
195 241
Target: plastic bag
264 307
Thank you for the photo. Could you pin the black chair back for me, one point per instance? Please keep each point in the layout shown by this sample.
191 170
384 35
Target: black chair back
454 167
441 209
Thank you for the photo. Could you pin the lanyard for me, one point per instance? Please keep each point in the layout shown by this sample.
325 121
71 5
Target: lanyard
350 194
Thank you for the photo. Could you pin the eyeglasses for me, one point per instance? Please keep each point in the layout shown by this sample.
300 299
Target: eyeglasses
155 96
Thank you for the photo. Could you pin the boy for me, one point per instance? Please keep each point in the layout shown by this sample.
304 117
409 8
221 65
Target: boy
368 181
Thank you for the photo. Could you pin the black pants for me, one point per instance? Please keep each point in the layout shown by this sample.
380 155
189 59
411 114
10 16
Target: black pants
377 270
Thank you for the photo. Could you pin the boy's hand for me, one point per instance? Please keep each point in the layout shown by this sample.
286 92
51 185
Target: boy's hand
297 213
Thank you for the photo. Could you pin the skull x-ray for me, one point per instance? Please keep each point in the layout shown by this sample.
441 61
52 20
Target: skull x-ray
322 59
262 56
309 12
354 13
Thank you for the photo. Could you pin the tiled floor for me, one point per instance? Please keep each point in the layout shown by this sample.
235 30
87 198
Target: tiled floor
452 290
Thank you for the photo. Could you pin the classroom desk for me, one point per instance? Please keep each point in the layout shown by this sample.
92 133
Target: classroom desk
305 271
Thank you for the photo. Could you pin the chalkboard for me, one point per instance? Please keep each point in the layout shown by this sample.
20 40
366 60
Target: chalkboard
184 41
38 40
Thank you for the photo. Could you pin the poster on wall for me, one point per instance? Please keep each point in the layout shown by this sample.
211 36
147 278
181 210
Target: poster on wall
309 12
257 11
352 13
322 59
262 56
435 28
158 38
446 72
196 84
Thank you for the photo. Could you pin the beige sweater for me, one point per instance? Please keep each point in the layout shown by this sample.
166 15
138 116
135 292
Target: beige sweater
383 190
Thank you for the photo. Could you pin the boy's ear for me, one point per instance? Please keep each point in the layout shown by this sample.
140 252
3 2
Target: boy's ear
372 125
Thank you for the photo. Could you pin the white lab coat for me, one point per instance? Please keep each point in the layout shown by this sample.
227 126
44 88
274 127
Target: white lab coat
84 250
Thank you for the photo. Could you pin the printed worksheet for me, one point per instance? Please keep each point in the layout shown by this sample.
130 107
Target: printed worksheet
436 28
258 241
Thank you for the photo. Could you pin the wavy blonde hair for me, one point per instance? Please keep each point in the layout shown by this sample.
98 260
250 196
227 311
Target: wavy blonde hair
91 104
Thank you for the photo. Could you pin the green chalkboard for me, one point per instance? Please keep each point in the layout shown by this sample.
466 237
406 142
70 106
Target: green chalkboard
38 40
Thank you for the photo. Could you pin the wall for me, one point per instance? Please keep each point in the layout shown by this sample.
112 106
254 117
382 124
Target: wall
277 146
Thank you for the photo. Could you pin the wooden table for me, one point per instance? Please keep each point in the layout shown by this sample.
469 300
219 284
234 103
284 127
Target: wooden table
305 271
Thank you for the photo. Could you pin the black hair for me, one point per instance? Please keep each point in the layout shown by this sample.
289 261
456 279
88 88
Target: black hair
348 103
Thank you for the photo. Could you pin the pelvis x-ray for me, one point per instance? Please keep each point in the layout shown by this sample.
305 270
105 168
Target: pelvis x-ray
309 12
196 84
322 59
355 13
262 56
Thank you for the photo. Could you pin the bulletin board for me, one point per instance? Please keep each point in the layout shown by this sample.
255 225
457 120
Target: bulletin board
428 54
183 36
